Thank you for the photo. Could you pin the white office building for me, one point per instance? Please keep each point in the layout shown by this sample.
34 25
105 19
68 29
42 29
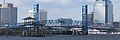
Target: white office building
103 11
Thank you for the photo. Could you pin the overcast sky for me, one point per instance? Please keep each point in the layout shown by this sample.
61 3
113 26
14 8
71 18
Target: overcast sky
59 8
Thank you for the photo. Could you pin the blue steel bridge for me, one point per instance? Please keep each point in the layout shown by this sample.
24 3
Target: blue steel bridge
49 23
58 23
64 23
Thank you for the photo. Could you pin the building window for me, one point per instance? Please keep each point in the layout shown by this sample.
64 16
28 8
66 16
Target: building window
0 5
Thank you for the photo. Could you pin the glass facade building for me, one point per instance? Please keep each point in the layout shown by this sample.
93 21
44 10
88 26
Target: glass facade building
103 11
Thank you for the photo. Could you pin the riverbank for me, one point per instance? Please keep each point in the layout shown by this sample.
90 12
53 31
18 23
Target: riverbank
67 37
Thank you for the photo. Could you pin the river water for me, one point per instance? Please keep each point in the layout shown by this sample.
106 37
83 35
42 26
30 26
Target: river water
66 37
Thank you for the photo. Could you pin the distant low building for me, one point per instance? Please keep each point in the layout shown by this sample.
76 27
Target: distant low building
116 24
28 22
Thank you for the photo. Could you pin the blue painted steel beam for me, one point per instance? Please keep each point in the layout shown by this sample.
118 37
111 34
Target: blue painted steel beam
36 11
84 20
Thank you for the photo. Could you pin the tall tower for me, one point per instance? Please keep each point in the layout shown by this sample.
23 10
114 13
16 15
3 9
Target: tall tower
109 12
85 18
103 11
8 14
42 15
36 11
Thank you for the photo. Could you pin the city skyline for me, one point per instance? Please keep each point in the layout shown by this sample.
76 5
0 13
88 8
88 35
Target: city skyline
56 8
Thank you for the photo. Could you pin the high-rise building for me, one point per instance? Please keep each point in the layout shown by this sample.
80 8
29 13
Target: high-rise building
30 13
42 14
103 11
8 14
90 18
109 11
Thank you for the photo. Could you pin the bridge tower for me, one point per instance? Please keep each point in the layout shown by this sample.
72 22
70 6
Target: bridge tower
84 18
36 11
